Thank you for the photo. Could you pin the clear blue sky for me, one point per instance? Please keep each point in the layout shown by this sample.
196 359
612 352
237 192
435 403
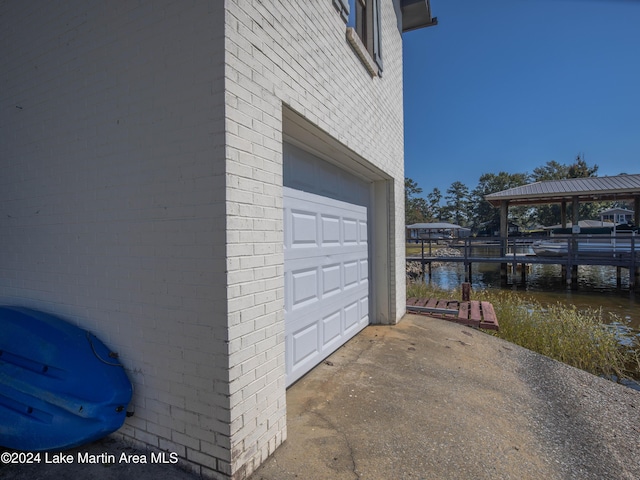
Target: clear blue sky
507 85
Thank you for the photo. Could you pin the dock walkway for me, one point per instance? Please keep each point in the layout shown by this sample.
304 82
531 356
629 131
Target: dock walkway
504 251
473 313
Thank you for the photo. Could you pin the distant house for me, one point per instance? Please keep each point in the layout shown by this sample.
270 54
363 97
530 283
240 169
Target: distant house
617 216
215 189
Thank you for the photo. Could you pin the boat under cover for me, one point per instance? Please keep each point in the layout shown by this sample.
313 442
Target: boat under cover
555 248
60 386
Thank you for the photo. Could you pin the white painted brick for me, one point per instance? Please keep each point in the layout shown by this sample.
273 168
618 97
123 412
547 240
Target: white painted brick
194 455
213 449
156 173
169 446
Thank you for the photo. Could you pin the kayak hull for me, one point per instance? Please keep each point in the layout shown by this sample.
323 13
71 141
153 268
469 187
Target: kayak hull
60 386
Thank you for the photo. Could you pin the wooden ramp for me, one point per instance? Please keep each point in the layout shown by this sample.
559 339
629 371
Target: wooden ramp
473 313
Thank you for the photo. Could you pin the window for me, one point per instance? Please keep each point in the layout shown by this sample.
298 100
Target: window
358 19
363 30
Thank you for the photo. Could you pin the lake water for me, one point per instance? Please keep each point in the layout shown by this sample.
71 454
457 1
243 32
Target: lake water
597 286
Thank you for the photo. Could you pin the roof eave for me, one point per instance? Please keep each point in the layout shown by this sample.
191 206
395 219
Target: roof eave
416 14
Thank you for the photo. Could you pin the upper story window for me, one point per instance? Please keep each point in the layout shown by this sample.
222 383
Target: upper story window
364 30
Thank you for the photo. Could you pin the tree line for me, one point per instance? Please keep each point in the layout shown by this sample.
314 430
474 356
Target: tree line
468 208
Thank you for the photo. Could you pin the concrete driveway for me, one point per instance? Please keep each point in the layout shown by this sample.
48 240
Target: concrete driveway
429 399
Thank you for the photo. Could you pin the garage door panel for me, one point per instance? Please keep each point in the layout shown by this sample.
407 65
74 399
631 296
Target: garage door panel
318 335
364 270
322 336
305 287
364 310
306 314
297 262
324 255
330 226
350 231
363 231
326 277
303 230
351 274
351 316
305 343
319 282
331 280
345 223
331 328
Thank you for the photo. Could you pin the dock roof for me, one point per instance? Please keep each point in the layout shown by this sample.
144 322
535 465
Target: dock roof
619 187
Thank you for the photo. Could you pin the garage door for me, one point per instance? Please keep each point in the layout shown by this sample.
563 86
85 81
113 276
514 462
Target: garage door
326 277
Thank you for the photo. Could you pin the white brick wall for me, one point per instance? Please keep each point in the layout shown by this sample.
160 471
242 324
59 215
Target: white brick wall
292 54
141 192
112 198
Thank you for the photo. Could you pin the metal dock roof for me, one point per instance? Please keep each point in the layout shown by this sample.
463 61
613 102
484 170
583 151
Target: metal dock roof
586 189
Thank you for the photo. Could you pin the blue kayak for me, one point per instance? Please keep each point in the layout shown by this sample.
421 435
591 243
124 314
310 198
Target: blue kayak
60 387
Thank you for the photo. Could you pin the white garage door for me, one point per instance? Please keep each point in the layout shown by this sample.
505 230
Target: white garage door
326 277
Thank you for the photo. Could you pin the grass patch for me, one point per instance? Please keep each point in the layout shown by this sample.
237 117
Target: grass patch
585 339
415 249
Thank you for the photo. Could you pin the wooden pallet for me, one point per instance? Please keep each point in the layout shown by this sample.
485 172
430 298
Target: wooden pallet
473 313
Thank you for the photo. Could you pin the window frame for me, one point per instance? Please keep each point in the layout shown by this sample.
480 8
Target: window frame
363 20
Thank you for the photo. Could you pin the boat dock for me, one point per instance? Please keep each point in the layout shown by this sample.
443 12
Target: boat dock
509 253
